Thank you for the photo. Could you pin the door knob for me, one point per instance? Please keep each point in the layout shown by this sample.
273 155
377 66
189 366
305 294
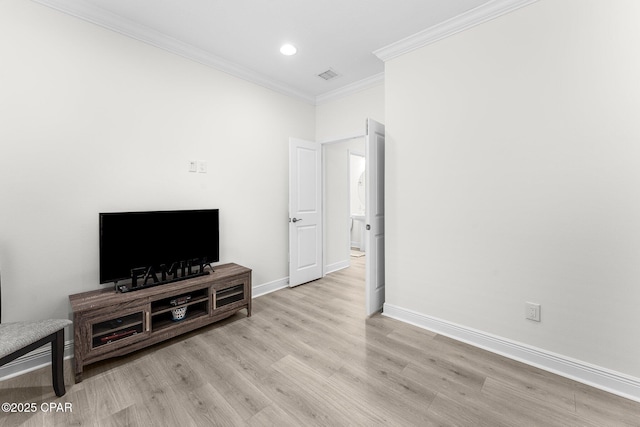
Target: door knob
296 220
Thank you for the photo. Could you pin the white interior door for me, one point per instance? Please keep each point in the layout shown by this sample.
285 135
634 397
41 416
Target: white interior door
305 211
374 217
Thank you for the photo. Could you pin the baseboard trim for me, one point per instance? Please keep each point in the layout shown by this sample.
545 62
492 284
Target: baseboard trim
267 288
332 268
595 376
37 359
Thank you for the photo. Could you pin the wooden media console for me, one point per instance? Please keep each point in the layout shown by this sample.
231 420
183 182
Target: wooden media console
108 323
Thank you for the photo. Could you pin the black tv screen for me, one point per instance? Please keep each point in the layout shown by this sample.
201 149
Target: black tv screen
130 240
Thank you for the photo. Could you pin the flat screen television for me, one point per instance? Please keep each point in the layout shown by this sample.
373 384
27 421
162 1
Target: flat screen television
153 242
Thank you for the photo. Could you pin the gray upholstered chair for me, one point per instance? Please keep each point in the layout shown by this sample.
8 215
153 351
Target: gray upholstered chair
19 338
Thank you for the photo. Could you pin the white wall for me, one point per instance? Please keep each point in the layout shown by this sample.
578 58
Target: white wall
515 146
357 182
336 119
337 202
357 189
347 115
92 121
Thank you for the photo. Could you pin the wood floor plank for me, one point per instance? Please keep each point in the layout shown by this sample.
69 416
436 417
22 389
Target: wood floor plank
336 401
238 388
309 356
443 382
123 418
554 390
399 400
271 416
519 407
208 407
446 411
601 407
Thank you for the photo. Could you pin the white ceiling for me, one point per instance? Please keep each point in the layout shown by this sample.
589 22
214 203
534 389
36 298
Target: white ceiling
244 36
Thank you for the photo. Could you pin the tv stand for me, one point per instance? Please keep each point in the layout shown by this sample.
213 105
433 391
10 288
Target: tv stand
108 323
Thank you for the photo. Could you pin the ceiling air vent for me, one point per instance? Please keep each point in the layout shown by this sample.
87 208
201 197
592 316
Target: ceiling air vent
328 75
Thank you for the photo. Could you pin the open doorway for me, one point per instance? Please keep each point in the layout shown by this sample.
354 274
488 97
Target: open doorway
341 201
357 202
336 217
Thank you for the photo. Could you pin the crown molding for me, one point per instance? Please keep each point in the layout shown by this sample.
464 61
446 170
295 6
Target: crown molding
119 24
462 22
350 89
147 35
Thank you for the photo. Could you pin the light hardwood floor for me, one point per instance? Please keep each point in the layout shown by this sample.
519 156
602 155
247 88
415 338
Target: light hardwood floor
308 356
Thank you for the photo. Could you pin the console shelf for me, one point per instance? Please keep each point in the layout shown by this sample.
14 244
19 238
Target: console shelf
109 324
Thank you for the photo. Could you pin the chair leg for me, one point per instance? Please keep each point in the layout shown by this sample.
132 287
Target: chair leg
57 363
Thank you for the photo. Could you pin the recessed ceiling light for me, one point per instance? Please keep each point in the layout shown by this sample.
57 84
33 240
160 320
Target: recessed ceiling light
288 49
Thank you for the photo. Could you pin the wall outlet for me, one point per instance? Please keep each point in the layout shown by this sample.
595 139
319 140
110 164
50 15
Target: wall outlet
532 311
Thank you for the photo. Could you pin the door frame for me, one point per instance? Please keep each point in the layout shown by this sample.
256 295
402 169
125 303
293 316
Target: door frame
330 141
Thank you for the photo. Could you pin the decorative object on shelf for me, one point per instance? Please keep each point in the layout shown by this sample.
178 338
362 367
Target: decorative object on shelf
117 336
178 313
180 300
